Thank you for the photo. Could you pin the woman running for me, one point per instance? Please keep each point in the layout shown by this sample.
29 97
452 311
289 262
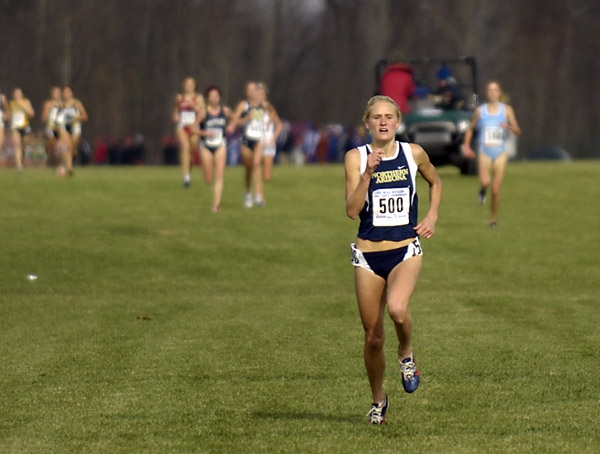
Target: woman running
72 115
189 108
387 255
272 130
213 147
52 130
493 119
250 114
21 111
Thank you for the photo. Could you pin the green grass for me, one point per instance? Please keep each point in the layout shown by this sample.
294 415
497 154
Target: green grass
158 326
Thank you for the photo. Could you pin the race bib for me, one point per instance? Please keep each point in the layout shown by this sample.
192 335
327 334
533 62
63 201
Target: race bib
214 140
391 207
254 130
60 119
188 117
493 136
18 119
69 115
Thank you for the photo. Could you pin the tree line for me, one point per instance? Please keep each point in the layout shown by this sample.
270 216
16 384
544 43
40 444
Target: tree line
126 59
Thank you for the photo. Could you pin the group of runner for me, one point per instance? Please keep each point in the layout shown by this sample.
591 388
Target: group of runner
204 122
62 115
380 190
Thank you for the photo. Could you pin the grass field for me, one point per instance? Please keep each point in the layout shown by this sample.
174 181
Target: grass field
157 326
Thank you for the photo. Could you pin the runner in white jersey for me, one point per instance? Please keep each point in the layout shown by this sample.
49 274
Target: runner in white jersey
57 139
21 112
272 124
213 146
494 120
250 114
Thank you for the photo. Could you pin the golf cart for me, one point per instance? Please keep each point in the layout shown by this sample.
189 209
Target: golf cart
434 122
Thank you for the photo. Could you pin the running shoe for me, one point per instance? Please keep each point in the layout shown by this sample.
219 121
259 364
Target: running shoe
187 181
377 412
216 209
248 202
259 201
493 225
481 197
410 374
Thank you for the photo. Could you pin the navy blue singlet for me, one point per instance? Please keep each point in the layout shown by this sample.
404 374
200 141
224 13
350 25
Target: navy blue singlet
390 210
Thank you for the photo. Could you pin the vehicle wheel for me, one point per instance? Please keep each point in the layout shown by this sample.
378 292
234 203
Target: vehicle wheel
468 167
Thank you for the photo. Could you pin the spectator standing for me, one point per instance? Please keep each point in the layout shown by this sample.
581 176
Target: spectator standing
448 95
397 83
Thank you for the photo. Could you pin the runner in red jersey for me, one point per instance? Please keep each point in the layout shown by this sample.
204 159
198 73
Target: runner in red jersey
188 111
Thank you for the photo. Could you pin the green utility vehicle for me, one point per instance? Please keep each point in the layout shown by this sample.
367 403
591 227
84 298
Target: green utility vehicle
436 125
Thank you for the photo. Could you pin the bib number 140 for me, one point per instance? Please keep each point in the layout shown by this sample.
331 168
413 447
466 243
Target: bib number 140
391 207
493 136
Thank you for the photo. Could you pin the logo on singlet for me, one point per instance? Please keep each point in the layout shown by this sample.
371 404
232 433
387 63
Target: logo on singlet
389 176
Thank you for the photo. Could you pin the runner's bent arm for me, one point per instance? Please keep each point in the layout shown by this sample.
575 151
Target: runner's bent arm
83 116
200 111
357 185
512 124
236 118
426 228
275 117
228 113
28 108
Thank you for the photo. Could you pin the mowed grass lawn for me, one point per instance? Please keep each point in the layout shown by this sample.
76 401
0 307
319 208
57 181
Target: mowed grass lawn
156 325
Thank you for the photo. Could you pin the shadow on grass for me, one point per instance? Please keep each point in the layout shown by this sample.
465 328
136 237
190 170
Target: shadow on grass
302 416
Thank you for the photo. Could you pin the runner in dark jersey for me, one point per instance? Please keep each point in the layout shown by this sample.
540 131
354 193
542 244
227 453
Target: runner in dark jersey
213 146
387 254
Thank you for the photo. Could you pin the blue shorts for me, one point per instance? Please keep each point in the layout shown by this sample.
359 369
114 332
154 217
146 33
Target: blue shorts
493 154
382 263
